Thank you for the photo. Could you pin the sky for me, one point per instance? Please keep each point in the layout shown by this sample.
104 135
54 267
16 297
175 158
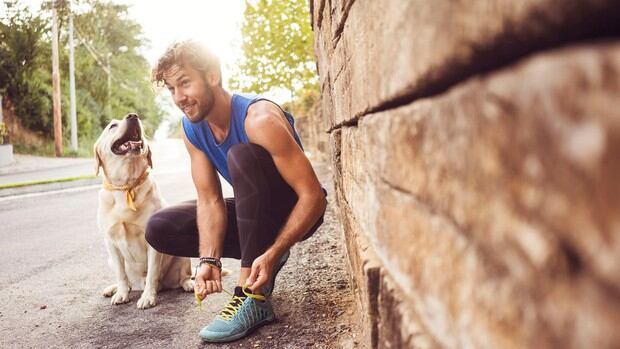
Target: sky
216 23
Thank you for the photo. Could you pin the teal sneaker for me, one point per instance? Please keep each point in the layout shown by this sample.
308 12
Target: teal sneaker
268 289
241 316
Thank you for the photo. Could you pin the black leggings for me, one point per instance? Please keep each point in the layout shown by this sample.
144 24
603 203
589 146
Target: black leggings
261 206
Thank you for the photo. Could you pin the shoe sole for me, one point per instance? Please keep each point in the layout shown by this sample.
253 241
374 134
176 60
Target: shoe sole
239 335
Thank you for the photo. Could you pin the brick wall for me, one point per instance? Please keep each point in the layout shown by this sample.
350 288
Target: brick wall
476 155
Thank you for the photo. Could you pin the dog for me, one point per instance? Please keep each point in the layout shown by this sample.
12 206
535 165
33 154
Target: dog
128 198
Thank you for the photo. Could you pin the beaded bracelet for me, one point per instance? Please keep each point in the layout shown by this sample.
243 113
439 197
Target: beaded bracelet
211 261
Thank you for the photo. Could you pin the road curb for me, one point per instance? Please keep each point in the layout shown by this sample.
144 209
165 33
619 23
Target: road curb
37 188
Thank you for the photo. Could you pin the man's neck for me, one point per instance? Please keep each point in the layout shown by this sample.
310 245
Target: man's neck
219 117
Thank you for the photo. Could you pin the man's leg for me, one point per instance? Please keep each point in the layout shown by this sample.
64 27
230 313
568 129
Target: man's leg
173 230
263 201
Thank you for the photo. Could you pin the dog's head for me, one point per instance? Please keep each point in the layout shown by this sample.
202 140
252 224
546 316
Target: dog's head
121 147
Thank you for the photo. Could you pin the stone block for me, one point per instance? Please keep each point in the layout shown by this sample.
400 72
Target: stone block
494 207
392 51
364 272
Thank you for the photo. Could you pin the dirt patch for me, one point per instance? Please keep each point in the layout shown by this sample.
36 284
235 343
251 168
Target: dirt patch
313 301
61 306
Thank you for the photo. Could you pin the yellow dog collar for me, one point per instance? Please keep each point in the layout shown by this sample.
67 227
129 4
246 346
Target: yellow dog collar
130 193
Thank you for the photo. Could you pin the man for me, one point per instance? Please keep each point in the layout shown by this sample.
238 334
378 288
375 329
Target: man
277 202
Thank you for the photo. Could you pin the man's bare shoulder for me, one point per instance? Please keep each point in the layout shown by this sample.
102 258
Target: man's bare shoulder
263 117
263 109
265 125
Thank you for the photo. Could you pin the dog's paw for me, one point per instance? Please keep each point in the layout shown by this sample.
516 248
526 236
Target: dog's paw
188 285
147 300
120 297
109 291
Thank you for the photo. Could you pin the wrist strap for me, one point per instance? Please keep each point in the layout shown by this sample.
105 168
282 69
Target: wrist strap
211 261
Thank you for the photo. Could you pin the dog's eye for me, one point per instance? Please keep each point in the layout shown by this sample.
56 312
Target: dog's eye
113 126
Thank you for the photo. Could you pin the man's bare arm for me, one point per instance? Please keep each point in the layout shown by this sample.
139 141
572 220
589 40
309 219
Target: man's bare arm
211 209
267 127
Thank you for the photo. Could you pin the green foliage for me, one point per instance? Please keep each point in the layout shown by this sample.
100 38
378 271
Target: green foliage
277 46
108 37
304 104
24 77
105 37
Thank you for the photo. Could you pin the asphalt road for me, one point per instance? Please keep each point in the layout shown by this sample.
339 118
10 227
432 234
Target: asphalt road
54 266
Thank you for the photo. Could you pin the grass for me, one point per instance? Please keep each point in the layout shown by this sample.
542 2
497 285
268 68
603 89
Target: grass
45 181
85 149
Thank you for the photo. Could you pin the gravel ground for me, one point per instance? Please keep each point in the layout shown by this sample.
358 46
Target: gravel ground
59 305
314 304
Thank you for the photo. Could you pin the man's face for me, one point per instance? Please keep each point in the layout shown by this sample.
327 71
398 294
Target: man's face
190 92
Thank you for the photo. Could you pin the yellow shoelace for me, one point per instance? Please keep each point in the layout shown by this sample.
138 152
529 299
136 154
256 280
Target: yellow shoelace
231 308
258 297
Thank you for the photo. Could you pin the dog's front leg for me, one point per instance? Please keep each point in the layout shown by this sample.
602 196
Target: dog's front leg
153 272
117 262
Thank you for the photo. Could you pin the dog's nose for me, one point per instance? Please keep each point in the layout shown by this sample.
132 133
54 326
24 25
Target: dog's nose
131 116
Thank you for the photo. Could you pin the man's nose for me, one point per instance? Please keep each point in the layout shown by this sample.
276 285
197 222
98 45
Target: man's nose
131 116
179 97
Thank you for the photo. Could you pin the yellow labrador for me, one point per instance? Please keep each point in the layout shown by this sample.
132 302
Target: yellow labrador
128 198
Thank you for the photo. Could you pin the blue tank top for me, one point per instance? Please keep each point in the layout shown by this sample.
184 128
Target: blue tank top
200 135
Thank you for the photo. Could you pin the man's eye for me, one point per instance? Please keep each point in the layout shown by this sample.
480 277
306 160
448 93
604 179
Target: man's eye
185 82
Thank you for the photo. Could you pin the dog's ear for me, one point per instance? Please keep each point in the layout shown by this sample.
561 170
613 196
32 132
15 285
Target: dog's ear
98 162
149 155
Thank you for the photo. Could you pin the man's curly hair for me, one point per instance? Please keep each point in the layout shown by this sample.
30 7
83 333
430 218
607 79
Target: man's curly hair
186 53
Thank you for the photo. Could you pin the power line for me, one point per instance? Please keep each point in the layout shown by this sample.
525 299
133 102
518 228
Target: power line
98 60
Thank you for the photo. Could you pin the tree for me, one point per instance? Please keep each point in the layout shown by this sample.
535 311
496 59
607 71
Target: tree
25 67
278 47
105 36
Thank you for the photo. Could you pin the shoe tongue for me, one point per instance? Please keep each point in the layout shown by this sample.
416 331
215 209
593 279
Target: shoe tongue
239 292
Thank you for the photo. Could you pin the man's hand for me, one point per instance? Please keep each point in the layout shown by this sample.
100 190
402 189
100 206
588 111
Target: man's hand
208 280
261 271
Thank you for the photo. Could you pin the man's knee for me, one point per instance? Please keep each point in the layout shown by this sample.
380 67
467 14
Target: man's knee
153 232
244 157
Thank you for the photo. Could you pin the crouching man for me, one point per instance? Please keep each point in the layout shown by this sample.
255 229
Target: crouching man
252 143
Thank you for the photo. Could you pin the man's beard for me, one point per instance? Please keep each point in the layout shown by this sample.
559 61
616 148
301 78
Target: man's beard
208 107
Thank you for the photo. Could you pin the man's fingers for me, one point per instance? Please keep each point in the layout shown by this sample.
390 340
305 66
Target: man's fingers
217 278
262 279
252 278
199 285
209 287
213 287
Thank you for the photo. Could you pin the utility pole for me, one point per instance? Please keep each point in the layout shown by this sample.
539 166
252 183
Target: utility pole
108 105
74 138
56 84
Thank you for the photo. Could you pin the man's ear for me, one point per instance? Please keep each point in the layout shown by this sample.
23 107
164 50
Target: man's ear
148 157
214 78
